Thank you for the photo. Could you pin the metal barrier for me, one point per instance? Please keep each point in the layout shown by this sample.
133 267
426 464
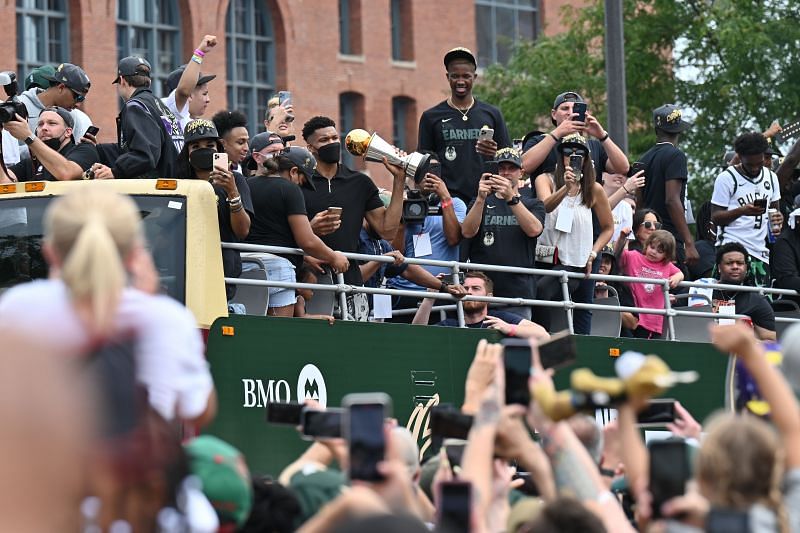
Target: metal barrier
456 267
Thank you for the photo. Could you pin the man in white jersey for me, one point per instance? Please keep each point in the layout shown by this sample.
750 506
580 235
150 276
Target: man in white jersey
742 194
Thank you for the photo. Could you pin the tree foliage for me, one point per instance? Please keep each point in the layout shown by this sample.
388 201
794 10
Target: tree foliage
734 64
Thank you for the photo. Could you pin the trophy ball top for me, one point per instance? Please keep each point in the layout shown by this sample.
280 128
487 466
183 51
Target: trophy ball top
357 142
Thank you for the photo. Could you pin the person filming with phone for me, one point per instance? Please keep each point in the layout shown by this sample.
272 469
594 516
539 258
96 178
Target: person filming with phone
54 154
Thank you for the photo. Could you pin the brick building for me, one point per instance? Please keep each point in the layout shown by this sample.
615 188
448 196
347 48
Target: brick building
375 64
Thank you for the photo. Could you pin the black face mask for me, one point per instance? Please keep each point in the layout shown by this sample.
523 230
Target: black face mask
202 158
330 152
54 143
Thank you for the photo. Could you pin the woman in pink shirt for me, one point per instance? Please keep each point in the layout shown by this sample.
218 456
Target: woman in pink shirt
654 262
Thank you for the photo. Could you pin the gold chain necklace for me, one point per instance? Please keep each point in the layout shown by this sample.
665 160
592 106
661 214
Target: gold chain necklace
464 116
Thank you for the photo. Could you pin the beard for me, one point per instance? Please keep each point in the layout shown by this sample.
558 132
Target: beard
473 306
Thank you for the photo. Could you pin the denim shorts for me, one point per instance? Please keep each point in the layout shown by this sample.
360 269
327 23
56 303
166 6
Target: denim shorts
278 269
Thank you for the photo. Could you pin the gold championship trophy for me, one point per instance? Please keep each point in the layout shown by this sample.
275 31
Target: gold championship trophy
373 148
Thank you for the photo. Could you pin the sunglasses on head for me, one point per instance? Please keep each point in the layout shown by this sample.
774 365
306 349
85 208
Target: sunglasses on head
651 225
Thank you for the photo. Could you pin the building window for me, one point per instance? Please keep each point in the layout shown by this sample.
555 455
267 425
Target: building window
151 29
42 34
251 59
500 24
404 111
351 116
350 27
402 31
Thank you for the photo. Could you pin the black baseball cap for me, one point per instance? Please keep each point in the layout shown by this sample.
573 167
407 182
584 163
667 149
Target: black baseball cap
460 53
304 160
510 155
264 139
72 76
132 66
199 129
69 120
569 96
668 118
575 141
175 77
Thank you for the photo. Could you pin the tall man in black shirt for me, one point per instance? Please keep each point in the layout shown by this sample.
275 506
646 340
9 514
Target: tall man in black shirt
354 193
667 176
54 154
451 128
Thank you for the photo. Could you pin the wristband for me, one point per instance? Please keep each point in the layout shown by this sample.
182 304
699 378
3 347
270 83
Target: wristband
593 255
197 59
447 203
236 200
199 52
513 331
443 288
604 138
556 139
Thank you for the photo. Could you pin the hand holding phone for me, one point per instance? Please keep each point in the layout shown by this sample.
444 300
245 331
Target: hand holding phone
455 503
491 167
486 134
364 430
286 414
579 109
325 424
220 160
760 203
669 472
517 362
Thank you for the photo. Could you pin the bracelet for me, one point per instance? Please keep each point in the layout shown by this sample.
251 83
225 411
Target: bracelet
593 255
447 203
199 52
604 138
556 139
513 331
237 208
197 59
235 200
625 188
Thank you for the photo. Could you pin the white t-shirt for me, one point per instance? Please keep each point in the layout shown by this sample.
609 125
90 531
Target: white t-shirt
168 346
183 114
623 218
732 190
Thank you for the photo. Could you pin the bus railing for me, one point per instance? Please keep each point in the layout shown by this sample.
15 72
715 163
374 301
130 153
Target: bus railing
455 267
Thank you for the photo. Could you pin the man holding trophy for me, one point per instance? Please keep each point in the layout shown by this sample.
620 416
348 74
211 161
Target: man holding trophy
462 130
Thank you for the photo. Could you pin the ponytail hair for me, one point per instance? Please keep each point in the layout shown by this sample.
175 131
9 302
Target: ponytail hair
92 231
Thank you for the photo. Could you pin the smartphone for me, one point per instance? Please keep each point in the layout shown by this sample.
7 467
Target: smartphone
491 167
657 413
761 203
92 130
486 134
669 472
435 168
363 428
727 521
287 414
455 502
635 167
576 164
579 108
220 159
454 449
321 424
448 423
559 351
517 363
284 98
335 211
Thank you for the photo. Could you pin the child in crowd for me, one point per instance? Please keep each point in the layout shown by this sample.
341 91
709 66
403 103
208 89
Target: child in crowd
655 261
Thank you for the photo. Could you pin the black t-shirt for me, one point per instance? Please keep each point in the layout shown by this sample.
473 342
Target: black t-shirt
509 318
356 194
443 130
663 162
596 151
751 304
500 241
84 154
231 260
274 199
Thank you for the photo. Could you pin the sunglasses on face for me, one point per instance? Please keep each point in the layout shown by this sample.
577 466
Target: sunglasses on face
571 151
78 96
651 225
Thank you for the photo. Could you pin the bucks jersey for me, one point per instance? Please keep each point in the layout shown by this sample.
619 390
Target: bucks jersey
732 190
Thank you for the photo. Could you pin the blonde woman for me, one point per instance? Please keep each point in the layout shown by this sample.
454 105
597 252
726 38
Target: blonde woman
99 292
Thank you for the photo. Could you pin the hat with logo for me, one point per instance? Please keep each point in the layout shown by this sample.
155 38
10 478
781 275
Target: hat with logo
199 129
574 141
175 77
132 66
72 76
459 53
304 160
668 118
226 480
569 96
509 155
40 77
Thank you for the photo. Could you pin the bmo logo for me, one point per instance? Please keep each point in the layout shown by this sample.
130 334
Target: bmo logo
311 385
